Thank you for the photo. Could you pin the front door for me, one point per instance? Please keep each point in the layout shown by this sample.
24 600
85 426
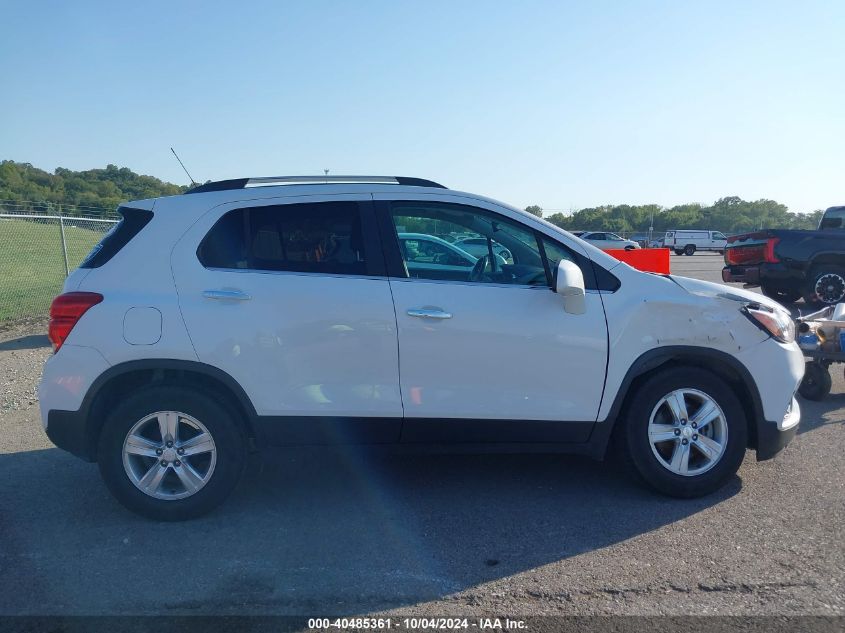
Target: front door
493 344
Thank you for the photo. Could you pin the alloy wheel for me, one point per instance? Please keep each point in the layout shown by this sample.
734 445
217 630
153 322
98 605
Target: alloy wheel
169 455
830 288
687 432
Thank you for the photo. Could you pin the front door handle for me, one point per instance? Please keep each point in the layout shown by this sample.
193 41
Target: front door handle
429 313
226 295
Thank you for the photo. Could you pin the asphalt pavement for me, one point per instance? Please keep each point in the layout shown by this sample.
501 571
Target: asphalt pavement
315 533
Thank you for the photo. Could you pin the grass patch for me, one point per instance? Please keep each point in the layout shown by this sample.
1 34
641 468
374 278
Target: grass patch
32 267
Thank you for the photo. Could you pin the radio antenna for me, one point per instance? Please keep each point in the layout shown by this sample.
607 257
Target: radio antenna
193 182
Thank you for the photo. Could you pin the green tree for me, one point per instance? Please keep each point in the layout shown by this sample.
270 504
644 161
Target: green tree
95 192
535 210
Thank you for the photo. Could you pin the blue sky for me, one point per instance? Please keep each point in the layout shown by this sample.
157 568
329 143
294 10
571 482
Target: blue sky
565 105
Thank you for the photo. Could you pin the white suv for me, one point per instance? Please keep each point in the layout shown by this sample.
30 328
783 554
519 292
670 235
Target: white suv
258 312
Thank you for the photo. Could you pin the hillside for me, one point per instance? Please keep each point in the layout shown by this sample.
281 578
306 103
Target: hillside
95 192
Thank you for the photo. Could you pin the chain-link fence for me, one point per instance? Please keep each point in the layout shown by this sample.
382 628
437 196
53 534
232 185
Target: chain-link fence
37 252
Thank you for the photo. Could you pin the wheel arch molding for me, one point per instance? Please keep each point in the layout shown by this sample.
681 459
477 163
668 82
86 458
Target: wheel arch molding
722 364
136 374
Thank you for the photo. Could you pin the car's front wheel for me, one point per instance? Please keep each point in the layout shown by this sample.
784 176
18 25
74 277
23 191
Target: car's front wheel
171 453
685 432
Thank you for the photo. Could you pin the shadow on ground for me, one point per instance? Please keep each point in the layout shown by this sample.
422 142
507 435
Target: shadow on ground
33 341
312 532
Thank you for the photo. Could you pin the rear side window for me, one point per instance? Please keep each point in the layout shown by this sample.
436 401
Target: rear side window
119 236
321 237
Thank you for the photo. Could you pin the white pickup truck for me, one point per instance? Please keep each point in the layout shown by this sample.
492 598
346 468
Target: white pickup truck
686 242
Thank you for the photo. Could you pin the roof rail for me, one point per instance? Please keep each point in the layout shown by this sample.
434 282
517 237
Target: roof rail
243 183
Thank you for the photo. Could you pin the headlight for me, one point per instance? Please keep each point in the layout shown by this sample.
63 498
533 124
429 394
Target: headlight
776 322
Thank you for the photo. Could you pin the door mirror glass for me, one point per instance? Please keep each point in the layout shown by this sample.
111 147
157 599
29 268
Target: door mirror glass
569 284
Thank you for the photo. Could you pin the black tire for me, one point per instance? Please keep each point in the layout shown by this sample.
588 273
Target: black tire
630 248
784 296
679 251
832 293
816 383
219 420
689 249
637 447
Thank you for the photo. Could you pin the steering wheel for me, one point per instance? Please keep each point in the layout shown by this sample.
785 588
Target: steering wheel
478 273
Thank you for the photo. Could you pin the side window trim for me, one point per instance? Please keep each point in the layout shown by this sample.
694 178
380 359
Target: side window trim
373 251
549 272
393 261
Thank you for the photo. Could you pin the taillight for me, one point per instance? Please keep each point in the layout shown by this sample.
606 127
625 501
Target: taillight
741 253
65 311
770 250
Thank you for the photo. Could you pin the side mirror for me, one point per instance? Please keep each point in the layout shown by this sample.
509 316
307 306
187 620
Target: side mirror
569 284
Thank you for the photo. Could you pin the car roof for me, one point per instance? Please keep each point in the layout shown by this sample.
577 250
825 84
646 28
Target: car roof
423 236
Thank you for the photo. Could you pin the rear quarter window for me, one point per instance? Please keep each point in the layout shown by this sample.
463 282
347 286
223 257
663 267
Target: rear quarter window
133 220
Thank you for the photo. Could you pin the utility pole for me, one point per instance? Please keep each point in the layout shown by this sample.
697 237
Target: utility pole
651 226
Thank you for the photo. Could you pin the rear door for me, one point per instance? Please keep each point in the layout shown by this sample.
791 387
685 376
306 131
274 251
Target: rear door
289 298
490 354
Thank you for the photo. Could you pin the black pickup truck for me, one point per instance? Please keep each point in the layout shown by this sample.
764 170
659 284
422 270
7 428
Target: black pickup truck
788 265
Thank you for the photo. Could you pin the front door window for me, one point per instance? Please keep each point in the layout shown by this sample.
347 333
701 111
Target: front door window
499 250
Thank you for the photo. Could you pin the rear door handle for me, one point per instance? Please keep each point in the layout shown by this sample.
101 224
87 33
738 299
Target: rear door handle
429 313
226 295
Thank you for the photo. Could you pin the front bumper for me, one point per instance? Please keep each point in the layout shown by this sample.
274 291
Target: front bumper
773 437
776 369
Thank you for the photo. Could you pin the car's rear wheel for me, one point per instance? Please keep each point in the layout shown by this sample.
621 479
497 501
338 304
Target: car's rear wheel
685 432
171 453
689 249
826 286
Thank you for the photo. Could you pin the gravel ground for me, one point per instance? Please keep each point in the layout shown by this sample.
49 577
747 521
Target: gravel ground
316 533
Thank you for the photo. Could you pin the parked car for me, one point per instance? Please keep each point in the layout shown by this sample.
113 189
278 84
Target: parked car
608 241
260 312
790 264
687 242
477 246
430 257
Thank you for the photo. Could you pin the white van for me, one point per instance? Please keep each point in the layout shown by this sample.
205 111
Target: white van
686 242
